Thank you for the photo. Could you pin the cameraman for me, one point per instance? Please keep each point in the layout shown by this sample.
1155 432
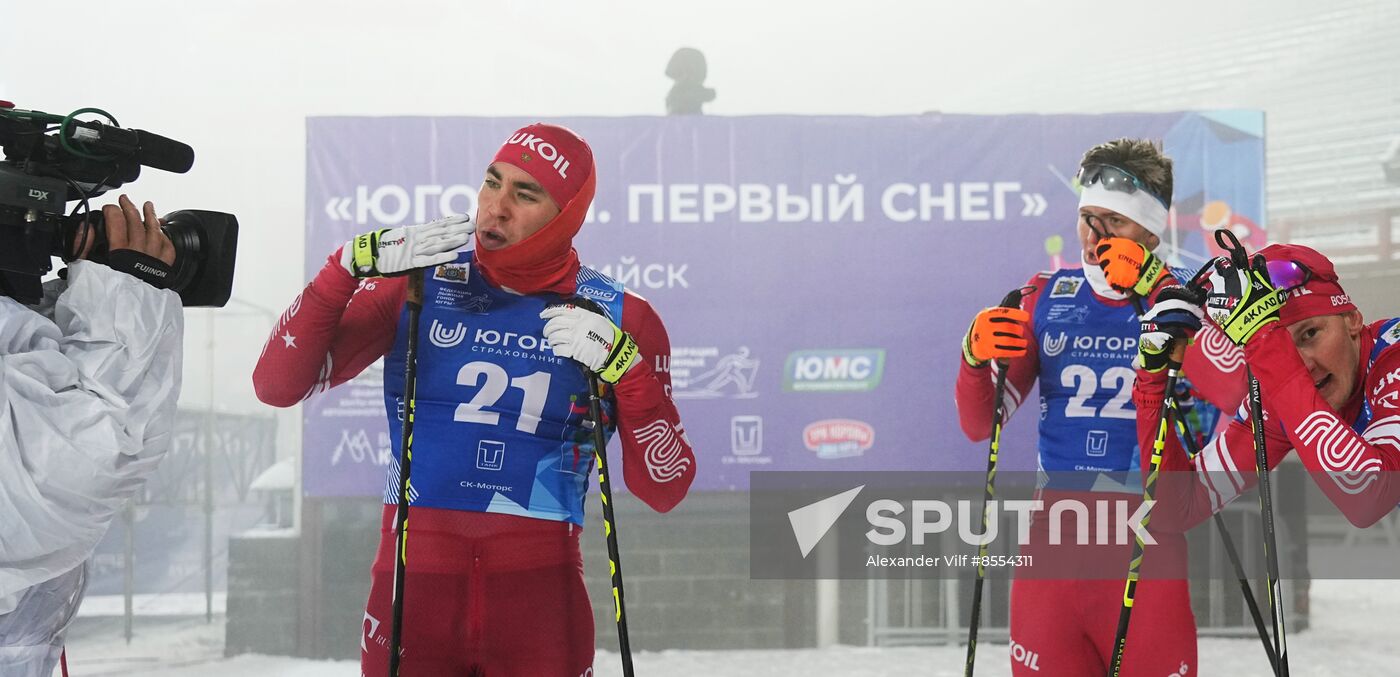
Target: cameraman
88 385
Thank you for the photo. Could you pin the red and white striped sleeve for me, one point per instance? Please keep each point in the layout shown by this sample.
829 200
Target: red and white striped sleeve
1356 471
1215 366
658 462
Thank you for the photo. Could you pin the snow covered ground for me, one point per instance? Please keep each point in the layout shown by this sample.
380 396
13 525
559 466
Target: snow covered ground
1355 628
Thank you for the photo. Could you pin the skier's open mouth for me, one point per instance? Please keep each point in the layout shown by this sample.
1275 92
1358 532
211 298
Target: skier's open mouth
493 237
1322 382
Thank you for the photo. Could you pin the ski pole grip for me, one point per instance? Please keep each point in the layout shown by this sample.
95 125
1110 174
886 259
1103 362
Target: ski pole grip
1013 299
1197 283
1231 244
1178 353
587 304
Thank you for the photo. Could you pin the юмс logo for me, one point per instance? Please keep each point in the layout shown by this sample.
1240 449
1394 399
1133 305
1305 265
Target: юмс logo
849 370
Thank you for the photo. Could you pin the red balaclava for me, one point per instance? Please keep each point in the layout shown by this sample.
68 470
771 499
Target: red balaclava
561 162
1322 295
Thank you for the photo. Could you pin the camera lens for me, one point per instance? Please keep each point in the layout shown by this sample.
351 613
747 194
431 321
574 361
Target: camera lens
205 243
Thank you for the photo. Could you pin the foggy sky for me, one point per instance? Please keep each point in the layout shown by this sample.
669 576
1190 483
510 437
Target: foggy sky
236 80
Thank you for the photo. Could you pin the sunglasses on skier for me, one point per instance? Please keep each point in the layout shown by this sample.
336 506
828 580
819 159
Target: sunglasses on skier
1116 179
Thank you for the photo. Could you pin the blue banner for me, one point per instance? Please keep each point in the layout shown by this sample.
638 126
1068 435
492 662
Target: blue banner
815 274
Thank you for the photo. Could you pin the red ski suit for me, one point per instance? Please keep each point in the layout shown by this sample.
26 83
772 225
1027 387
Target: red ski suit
491 592
1066 627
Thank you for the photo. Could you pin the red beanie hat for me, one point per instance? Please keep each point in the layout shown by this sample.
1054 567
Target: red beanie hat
562 163
1321 295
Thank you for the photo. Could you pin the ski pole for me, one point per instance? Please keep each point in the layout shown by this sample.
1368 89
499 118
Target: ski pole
1234 556
1266 506
1149 488
600 456
1192 450
415 309
1012 300
1229 243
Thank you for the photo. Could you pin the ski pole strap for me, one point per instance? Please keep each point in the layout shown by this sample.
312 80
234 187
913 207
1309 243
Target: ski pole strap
623 354
365 252
1152 271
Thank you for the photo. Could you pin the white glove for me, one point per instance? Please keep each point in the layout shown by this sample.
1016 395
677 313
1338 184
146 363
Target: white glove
393 251
590 339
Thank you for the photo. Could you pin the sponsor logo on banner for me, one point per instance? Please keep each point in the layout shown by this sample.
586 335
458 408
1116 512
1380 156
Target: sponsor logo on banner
1053 346
1066 287
838 437
746 435
848 370
746 441
356 447
454 273
708 373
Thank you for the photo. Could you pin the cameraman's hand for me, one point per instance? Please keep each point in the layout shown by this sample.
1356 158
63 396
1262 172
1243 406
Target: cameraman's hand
136 246
126 229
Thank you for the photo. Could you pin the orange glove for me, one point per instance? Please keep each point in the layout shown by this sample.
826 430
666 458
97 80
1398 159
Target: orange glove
1128 266
996 334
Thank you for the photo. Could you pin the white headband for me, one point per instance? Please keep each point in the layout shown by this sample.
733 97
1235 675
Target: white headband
1138 205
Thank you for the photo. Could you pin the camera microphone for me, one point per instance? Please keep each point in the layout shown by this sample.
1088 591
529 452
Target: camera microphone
151 150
